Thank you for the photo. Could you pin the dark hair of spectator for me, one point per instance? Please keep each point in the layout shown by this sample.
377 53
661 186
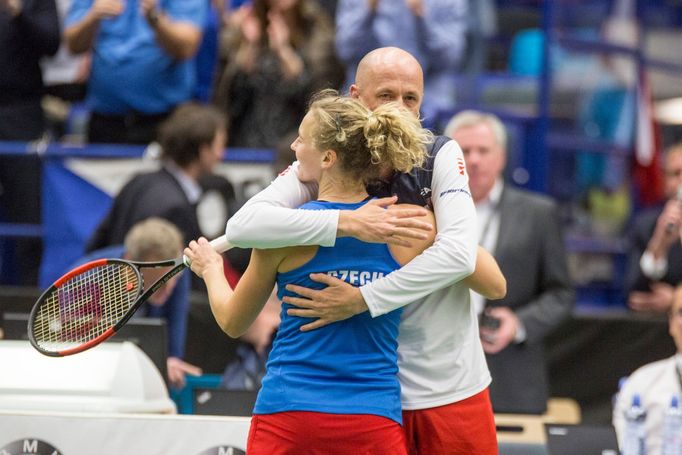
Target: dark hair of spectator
189 127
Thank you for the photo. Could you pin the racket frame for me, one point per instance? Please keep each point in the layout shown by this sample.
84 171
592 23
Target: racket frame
178 265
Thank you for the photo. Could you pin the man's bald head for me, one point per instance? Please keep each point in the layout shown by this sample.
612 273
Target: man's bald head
389 74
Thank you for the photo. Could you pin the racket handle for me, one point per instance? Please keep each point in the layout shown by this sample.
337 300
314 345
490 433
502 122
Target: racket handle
220 245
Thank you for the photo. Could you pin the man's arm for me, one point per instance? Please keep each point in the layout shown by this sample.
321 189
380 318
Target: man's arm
451 258
354 34
268 220
178 30
82 22
442 31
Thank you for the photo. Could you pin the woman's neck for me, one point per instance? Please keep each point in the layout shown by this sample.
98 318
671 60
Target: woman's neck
338 191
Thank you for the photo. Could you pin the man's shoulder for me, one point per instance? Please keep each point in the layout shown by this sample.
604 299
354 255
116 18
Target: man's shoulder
438 142
528 198
651 369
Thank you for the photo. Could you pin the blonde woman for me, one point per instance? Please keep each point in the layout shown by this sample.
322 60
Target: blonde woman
335 389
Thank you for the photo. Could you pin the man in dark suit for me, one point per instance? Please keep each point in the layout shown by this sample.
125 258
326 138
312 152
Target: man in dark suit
655 263
192 142
523 231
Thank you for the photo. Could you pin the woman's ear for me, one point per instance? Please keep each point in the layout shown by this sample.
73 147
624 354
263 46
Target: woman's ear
329 158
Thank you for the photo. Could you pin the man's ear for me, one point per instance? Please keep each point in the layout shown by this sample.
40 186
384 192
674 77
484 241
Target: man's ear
354 91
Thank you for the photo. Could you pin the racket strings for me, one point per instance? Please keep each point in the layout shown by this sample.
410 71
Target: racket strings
86 306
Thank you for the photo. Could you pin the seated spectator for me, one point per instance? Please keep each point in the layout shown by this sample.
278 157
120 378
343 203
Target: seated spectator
142 64
434 31
150 240
655 383
278 56
655 264
247 370
192 142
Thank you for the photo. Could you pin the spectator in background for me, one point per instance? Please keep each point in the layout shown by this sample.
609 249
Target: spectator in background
65 76
192 141
434 31
523 232
655 383
655 264
142 63
278 52
151 240
29 30
206 59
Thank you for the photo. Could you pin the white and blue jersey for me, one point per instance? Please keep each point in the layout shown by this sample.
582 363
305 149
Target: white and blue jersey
349 367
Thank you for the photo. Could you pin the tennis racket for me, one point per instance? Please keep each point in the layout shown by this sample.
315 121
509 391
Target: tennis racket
92 302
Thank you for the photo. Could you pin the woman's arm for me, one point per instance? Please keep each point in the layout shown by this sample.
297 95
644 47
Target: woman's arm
487 279
234 310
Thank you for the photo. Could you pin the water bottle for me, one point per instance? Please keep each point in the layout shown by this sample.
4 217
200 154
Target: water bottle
635 433
672 429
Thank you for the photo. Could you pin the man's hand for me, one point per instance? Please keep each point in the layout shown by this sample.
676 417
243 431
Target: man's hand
667 231
103 9
177 369
659 299
12 6
338 301
416 6
147 7
495 340
375 224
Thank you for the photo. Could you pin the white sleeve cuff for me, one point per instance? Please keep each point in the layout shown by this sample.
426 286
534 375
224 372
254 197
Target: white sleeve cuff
374 308
651 267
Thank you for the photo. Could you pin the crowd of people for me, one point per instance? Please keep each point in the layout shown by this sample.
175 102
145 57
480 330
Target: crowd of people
378 224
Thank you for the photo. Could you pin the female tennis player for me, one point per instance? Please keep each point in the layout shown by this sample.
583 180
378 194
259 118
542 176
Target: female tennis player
335 389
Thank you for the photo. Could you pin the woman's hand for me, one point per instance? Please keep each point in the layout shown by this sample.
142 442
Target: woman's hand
278 32
202 257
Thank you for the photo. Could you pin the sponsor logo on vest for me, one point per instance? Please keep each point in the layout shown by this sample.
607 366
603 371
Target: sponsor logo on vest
455 190
461 166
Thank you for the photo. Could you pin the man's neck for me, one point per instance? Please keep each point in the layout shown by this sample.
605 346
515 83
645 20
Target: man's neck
491 196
